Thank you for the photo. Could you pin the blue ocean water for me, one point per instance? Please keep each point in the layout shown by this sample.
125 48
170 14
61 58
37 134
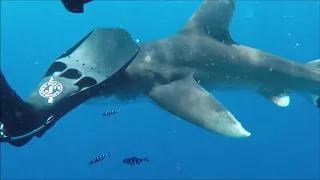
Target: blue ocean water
284 143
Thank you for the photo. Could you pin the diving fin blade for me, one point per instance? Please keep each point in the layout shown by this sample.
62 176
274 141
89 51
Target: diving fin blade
188 100
90 66
75 6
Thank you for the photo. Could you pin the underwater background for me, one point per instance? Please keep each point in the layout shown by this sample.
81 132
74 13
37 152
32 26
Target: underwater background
284 143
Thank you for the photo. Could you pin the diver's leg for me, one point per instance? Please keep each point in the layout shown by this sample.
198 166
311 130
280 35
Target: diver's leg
92 65
14 111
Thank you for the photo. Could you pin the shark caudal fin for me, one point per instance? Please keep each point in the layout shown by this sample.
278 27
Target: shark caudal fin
314 97
281 98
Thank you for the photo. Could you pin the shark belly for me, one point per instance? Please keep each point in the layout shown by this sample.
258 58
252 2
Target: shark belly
223 82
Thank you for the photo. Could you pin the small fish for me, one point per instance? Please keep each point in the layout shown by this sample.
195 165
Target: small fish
99 158
111 112
134 160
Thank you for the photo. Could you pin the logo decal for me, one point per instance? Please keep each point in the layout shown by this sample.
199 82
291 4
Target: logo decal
50 90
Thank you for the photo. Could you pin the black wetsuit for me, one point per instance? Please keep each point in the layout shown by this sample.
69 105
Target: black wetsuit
15 111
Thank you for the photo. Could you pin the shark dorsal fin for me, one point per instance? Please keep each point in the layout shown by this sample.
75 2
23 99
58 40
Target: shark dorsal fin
212 18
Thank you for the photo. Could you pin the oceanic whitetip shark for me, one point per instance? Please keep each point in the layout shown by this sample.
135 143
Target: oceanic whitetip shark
178 71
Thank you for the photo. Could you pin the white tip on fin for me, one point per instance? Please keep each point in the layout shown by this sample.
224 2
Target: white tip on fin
238 132
243 133
282 100
276 96
234 129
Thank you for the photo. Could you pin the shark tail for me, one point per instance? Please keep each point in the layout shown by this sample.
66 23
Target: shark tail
314 98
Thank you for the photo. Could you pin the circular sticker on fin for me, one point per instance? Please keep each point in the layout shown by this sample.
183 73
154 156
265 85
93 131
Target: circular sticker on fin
50 89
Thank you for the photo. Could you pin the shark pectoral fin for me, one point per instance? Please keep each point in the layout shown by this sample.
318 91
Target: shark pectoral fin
188 100
278 97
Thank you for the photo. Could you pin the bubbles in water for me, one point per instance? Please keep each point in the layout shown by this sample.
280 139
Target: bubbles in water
147 58
137 40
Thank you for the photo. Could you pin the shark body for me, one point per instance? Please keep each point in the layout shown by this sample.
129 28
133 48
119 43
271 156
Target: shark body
179 71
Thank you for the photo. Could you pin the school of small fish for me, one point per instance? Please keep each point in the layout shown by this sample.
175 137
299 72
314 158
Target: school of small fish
130 161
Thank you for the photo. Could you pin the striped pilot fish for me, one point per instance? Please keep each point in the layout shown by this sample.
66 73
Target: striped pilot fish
99 158
135 161
111 112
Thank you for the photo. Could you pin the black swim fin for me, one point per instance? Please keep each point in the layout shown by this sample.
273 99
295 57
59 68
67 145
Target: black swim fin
75 6
90 66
